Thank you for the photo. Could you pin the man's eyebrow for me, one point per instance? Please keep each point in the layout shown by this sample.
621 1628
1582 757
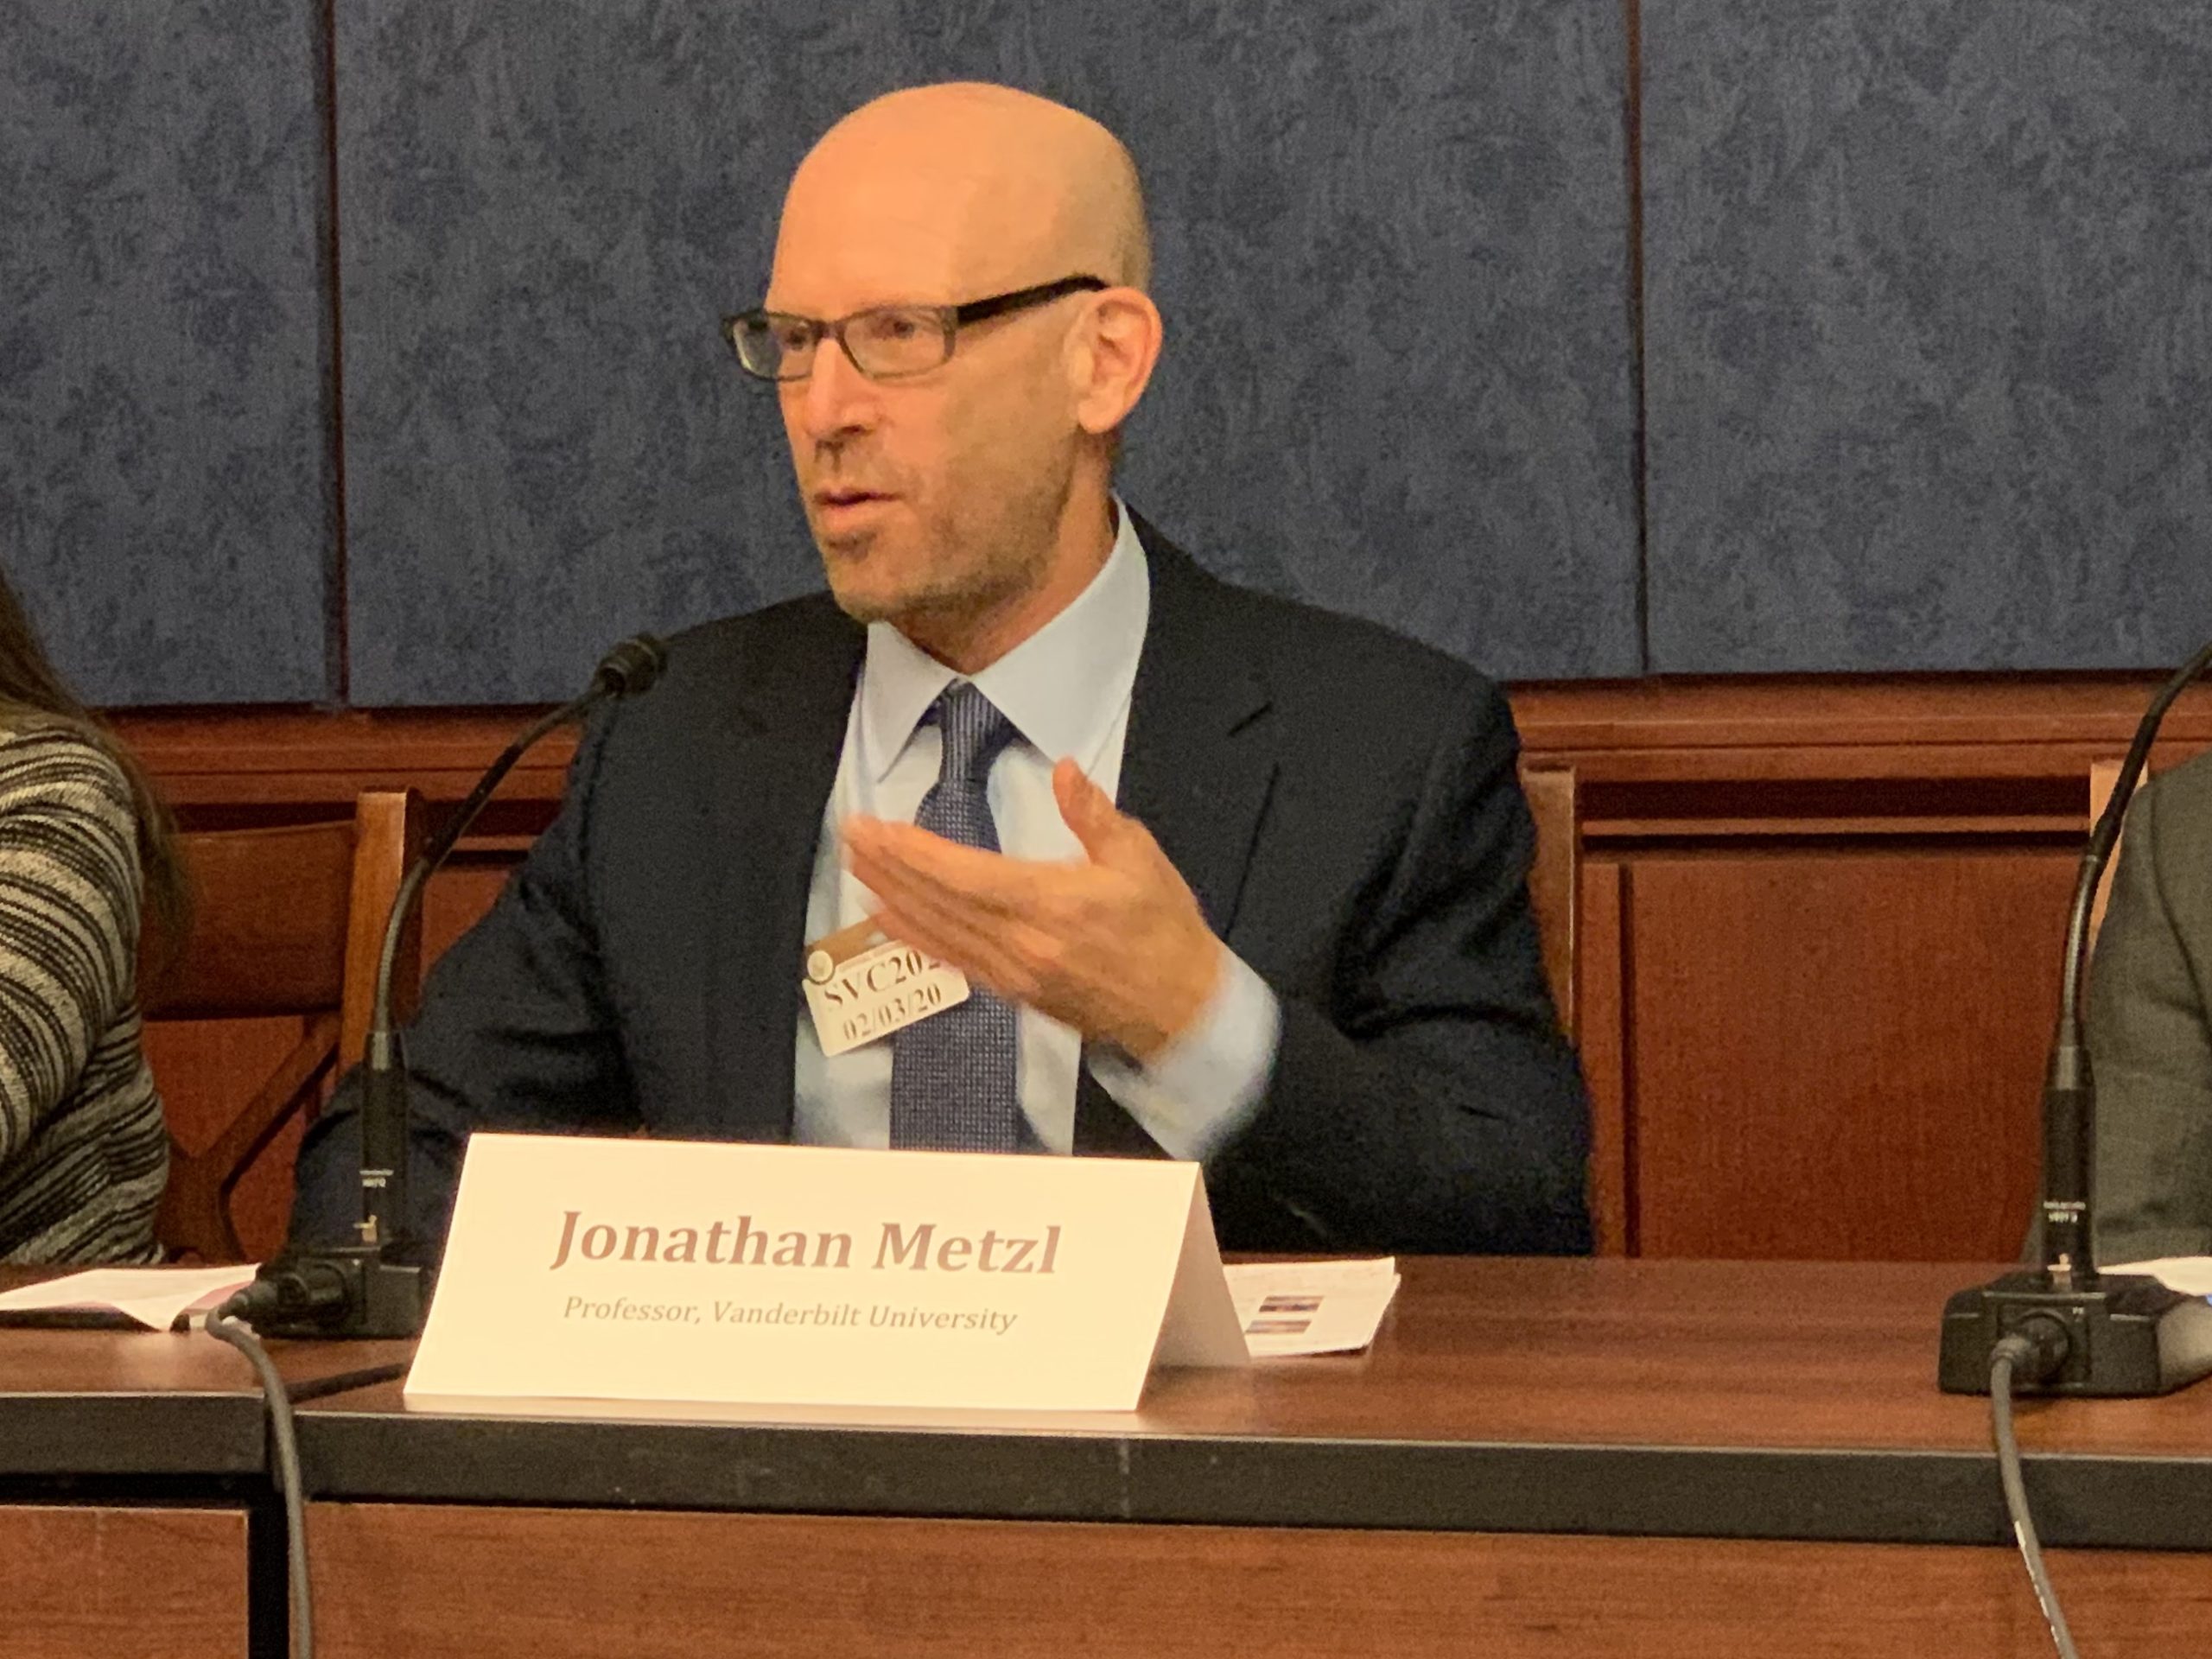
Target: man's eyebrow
876 301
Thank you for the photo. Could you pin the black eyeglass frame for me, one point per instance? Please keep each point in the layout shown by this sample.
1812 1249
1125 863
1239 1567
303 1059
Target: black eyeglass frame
951 320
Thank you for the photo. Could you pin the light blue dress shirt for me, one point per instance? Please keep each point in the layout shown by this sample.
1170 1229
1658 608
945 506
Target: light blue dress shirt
1066 690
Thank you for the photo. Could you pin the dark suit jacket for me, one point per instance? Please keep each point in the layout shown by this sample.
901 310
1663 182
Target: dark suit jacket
1343 801
2151 1027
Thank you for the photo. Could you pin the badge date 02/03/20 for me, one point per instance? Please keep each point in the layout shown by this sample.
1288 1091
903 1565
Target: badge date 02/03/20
860 988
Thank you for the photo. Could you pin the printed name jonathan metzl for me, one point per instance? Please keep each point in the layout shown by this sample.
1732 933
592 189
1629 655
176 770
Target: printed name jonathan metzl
918 1247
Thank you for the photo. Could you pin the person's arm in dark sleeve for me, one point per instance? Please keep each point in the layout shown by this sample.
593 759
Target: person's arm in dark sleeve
2151 1045
1433 1105
515 1033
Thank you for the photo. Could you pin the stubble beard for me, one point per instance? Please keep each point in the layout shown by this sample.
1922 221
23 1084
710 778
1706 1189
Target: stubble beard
963 573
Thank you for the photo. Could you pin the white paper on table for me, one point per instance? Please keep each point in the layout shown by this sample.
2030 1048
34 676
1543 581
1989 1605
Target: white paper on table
152 1296
1310 1308
2189 1275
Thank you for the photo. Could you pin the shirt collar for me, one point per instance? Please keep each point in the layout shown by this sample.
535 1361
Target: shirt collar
1063 687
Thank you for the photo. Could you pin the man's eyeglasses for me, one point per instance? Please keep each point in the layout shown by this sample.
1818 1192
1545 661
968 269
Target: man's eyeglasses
885 342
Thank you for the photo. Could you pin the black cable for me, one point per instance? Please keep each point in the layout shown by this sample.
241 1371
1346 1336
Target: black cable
2033 1362
224 1328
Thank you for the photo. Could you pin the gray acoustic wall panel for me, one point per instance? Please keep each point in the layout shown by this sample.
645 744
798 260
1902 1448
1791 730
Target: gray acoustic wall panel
1393 256
165 496
1929 333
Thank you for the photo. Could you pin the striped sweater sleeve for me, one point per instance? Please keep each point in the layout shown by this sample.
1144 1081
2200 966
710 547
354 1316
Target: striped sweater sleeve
69 897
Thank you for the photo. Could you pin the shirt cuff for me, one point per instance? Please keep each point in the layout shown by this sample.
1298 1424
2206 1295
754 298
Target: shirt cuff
1201 1091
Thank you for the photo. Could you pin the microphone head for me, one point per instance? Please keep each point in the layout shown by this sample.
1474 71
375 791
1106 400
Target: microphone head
630 667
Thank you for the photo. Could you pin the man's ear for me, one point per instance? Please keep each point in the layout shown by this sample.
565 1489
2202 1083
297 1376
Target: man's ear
1111 356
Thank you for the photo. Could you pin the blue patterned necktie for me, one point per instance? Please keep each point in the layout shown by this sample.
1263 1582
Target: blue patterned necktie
952 1076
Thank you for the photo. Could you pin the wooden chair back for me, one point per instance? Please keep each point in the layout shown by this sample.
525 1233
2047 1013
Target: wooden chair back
1555 879
286 920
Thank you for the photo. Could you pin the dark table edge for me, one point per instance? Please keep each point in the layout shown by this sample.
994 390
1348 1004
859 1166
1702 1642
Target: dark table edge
1861 1496
130 1433
149 1432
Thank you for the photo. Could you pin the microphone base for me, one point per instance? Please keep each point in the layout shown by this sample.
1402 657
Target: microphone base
2129 1335
347 1292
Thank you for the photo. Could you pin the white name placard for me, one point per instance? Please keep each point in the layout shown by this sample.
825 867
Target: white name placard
581 1269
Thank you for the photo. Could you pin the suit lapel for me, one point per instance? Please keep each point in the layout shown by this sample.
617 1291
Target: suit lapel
1197 770
1200 757
780 760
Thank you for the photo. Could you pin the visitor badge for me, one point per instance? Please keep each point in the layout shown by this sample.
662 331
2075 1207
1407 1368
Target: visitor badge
860 985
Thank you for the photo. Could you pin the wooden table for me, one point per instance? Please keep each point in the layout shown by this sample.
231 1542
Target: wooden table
134 1516
1537 1458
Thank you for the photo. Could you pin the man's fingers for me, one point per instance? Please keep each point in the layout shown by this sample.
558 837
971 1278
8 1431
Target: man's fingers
1088 810
1082 804
1006 939
914 858
1010 960
953 932
919 897
899 885
1085 942
932 935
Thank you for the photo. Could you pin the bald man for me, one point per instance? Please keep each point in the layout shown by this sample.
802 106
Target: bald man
1157 866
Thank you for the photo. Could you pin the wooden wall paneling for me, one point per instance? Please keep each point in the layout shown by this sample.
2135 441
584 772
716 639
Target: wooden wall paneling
435 1582
87 1582
1813 725
1838 1054
1746 727
265 761
1794 773
1555 880
1602 1041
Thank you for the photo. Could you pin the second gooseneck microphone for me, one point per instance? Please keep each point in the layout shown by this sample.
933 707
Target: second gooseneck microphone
2088 1332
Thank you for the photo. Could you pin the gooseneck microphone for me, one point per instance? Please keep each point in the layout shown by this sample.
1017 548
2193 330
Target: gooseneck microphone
372 1288
2090 1333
